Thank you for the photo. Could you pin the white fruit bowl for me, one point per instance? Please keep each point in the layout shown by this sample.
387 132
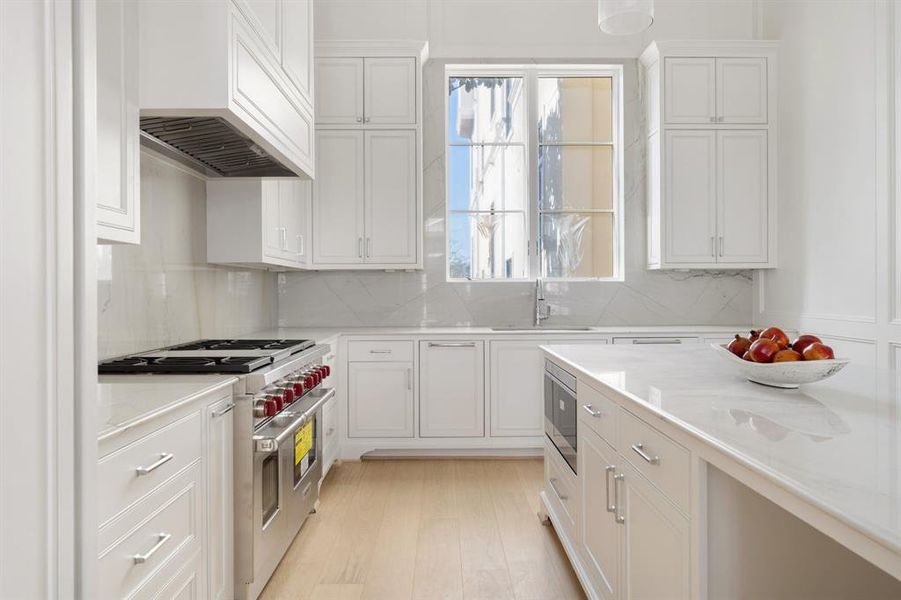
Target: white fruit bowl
783 374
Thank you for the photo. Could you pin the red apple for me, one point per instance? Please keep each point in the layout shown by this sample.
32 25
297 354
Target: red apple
818 351
777 335
805 340
787 355
763 350
739 345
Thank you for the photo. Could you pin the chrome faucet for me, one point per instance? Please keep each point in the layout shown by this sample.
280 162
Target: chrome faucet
542 308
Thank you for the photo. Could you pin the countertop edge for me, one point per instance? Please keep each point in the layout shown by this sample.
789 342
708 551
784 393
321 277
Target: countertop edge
106 434
741 459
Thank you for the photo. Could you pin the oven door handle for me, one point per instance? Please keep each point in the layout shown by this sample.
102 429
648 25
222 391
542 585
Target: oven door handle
266 444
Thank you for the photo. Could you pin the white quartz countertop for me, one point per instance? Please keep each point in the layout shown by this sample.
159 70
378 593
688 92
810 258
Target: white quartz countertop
836 444
124 401
323 334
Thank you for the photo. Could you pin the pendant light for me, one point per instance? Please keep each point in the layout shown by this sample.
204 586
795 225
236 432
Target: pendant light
625 17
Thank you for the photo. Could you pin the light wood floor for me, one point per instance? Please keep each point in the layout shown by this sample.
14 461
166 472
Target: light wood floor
427 529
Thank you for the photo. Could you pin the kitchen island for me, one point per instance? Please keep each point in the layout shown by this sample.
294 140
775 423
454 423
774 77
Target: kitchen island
712 476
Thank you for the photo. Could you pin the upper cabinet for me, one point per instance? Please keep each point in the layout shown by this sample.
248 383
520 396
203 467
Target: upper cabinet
118 203
711 139
370 90
248 63
367 196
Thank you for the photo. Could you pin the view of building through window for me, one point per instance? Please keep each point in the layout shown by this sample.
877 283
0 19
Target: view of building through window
512 182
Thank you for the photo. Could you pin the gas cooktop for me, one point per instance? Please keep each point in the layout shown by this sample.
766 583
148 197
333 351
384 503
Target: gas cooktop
208 356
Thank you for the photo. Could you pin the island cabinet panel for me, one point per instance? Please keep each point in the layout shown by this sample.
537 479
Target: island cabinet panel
601 534
220 452
452 389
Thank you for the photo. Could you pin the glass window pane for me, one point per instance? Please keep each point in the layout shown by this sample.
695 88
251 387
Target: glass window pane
487 246
486 177
575 177
575 109
577 245
485 109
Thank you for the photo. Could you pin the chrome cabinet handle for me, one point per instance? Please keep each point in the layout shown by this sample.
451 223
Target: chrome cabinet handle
656 341
367 119
380 351
639 450
594 413
300 245
409 379
713 119
224 411
142 558
164 458
452 344
360 247
609 469
369 247
556 491
722 252
616 481
359 119
721 119
713 245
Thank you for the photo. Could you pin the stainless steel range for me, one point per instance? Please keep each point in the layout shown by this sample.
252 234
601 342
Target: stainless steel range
278 438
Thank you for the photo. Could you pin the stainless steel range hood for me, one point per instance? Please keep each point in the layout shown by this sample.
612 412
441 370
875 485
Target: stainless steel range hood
210 145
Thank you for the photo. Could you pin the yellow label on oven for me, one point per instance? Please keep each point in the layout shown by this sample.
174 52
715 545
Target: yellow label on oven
303 442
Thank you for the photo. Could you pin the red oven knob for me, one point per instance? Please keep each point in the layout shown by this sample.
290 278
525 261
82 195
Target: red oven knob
298 388
327 369
308 382
270 407
317 376
289 395
279 401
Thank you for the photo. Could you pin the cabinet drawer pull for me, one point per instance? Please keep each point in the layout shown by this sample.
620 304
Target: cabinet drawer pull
164 458
409 379
609 469
224 411
380 351
713 245
563 497
722 252
369 247
452 344
656 341
142 558
359 119
639 450
591 411
360 247
616 481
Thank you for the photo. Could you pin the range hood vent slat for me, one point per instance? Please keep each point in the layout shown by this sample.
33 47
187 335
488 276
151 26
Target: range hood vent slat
211 145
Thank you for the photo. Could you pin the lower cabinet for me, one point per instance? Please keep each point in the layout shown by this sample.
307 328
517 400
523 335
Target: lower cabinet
451 388
601 533
380 399
656 552
220 452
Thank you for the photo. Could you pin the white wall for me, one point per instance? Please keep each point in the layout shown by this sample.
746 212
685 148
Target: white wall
525 28
835 193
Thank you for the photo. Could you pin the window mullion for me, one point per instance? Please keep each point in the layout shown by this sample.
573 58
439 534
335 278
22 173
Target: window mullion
534 251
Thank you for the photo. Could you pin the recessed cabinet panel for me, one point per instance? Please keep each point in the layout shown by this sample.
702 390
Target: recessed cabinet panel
272 228
657 552
118 189
380 399
390 91
297 47
742 195
338 197
452 389
601 534
339 90
516 388
741 90
390 197
689 204
265 16
689 90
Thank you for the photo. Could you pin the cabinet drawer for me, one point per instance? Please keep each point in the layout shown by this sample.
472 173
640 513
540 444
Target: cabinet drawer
375 351
664 462
562 488
160 455
597 412
140 543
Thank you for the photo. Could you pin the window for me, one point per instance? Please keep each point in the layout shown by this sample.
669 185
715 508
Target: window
534 173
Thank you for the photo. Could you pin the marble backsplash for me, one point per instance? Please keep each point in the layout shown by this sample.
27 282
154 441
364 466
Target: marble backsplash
423 298
163 292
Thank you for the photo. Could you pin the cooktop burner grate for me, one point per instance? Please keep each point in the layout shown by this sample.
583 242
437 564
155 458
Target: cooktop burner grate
272 345
184 364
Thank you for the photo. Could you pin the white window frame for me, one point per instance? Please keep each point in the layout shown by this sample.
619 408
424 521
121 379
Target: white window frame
530 75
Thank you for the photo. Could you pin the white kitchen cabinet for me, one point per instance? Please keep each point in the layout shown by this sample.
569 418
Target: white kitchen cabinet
389 91
380 399
601 533
339 90
690 90
365 207
220 499
297 46
338 196
118 201
390 197
741 196
451 388
656 539
689 197
711 135
370 90
273 216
